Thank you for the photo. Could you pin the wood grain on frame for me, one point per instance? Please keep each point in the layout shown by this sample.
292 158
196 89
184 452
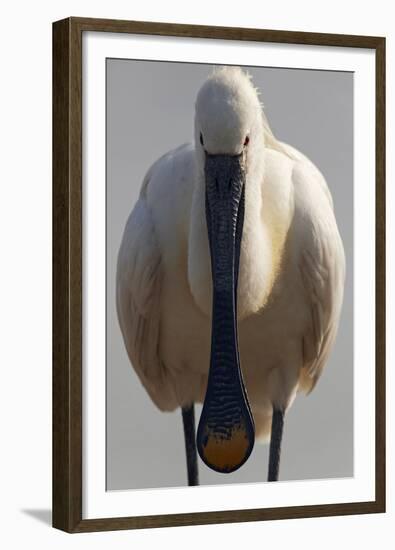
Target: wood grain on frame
67 273
67 277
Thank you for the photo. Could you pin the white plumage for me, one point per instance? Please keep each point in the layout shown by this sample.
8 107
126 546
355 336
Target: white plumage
292 264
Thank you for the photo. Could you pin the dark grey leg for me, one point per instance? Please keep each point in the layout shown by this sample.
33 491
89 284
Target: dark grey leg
275 444
188 419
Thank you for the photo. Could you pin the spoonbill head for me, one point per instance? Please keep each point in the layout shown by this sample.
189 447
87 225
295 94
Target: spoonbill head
227 113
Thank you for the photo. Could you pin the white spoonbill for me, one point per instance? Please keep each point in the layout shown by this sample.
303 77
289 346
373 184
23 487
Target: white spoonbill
230 278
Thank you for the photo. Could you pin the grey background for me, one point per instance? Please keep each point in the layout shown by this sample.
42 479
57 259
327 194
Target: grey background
150 108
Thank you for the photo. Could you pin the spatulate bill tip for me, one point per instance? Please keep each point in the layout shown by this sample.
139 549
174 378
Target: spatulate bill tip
226 453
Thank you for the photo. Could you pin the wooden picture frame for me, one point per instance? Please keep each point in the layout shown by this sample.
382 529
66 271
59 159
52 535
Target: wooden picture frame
67 274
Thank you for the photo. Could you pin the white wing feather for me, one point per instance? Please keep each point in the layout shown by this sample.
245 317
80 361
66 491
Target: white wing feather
139 277
321 263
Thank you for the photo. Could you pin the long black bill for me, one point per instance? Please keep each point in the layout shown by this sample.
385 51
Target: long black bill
226 431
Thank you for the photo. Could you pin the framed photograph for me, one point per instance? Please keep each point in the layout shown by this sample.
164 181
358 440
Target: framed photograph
218 274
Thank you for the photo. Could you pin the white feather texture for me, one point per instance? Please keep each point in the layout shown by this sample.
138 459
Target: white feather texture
292 264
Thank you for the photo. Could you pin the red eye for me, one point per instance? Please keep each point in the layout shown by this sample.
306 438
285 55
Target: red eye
246 141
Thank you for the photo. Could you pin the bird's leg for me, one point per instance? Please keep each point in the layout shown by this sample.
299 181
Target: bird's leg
188 419
275 444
